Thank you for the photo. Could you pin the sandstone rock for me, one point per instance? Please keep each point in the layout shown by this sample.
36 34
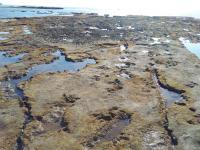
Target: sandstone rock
11 122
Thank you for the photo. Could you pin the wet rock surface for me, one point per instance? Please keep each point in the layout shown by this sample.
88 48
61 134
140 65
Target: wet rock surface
114 99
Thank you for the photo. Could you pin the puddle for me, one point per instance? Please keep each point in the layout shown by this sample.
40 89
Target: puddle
192 47
110 132
26 30
59 65
114 130
170 96
5 60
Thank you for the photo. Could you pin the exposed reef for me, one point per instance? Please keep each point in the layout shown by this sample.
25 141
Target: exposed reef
98 82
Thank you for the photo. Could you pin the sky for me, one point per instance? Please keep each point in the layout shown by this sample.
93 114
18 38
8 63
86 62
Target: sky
137 7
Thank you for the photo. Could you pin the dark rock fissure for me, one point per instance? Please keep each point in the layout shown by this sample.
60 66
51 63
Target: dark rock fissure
64 124
20 143
167 86
173 138
23 101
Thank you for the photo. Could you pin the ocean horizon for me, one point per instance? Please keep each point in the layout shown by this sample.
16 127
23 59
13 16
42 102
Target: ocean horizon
30 11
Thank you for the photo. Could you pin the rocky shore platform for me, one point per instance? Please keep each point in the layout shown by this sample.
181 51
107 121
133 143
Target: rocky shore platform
130 83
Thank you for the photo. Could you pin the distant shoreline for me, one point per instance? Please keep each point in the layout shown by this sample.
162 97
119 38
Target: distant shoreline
40 7
33 7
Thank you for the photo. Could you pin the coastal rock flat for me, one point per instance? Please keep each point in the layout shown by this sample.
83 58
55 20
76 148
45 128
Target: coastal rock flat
142 93
11 120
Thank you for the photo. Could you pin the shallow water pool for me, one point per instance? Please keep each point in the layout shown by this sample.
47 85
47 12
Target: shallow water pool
59 65
192 47
5 60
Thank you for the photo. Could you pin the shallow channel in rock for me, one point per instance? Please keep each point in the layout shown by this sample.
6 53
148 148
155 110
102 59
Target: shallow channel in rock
6 59
170 95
